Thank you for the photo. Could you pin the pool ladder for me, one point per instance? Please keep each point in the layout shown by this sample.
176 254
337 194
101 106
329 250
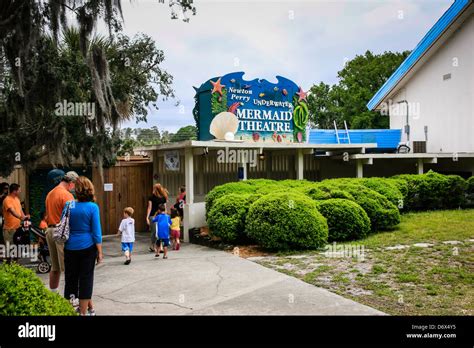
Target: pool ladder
346 137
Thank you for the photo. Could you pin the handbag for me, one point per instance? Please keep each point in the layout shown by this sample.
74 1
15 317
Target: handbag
61 231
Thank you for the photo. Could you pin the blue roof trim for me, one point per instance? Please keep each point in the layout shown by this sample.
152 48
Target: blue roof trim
433 34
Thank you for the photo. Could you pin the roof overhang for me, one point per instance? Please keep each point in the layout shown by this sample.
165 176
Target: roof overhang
426 156
212 144
449 22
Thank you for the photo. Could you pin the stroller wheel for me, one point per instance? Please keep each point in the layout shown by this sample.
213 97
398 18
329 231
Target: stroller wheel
44 267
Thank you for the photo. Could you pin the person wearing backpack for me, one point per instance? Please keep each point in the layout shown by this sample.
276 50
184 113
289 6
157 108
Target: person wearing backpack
83 247
55 202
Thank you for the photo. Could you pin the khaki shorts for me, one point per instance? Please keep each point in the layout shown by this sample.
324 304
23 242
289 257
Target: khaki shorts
8 236
56 252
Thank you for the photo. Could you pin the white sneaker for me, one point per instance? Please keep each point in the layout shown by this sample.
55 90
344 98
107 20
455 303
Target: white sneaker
74 302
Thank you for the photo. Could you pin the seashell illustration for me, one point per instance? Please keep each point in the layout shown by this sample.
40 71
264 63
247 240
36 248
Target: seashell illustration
284 91
275 89
224 122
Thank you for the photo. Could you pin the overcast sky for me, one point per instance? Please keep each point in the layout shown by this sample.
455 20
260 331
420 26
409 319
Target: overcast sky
305 41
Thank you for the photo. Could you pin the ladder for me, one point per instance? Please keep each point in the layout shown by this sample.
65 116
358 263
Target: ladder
346 130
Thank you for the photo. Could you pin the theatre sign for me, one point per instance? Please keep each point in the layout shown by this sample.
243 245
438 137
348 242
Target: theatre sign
266 112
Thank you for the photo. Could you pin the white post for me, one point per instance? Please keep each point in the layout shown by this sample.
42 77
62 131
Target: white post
244 166
420 166
189 181
189 174
299 164
360 168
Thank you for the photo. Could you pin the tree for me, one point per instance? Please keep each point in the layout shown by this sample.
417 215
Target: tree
359 80
185 133
323 106
38 68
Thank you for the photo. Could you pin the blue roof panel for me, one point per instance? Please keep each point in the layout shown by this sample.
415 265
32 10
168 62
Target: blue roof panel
386 139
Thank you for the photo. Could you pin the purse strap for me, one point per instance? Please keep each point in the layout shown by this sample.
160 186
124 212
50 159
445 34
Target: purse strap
67 211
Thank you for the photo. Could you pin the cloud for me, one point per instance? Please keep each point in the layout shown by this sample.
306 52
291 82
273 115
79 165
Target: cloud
306 41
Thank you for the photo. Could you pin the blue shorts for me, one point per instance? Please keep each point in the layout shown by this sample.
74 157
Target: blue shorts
127 246
166 242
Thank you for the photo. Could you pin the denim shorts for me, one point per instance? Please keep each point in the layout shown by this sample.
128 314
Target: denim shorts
127 246
166 242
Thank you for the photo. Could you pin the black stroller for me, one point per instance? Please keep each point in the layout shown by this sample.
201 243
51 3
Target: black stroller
22 237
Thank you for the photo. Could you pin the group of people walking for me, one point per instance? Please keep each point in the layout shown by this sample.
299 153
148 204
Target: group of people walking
82 251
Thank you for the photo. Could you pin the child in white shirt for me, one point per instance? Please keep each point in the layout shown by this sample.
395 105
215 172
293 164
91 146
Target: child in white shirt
127 230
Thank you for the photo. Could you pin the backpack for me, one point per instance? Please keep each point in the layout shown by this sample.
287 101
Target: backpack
61 231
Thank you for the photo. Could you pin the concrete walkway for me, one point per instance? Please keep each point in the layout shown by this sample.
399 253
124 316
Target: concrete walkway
200 280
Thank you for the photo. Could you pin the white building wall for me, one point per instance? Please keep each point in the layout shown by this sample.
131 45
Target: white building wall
445 106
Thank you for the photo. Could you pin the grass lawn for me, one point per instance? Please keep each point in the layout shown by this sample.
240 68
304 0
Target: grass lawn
433 278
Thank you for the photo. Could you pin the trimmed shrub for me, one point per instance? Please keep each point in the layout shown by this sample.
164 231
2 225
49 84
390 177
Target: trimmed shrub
261 182
324 190
386 188
23 293
241 187
290 183
470 192
265 190
226 219
346 219
455 191
470 185
402 187
382 213
284 221
432 191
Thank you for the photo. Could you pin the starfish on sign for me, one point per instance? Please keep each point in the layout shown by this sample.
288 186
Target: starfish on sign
217 86
302 94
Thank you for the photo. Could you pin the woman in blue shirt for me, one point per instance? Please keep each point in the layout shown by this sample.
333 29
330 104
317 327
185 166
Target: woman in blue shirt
84 246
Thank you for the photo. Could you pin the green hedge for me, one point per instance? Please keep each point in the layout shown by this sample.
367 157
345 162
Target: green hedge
379 198
226 219
23 293
433 191
285 221
346 219
222 190
470 185
470 192
386 188
382 213
321 191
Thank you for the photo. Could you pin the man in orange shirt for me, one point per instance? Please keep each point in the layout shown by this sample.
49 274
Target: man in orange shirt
12 213
55 202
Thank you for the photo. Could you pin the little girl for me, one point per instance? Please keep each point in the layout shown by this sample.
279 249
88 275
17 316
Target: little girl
175 229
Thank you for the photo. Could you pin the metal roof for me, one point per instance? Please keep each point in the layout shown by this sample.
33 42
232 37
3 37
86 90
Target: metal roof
446 20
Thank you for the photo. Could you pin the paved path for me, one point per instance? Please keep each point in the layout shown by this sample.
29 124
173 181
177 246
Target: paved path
200 280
